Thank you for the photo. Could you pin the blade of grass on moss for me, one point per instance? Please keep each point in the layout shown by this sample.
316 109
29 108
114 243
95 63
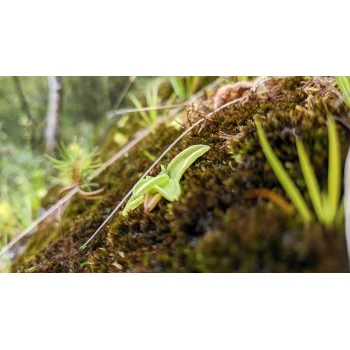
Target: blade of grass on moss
344 86
334 168
310 180
347 202
283 177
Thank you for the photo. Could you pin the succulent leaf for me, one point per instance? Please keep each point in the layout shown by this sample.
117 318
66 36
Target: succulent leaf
167 183
133 203
145 185
183 160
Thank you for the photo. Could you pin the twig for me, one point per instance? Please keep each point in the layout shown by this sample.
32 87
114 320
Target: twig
121 112
123 93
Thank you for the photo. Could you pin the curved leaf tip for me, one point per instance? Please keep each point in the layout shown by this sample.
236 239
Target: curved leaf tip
184 160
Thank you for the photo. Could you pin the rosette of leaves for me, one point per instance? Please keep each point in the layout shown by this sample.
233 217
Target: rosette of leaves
167 183
75 168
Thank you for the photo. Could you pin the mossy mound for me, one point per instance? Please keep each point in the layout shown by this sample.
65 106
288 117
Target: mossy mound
214 227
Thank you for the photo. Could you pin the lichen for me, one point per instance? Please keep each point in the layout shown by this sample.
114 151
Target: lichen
213 227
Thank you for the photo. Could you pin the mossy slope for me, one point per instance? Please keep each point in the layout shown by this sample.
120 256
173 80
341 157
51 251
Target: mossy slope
213 228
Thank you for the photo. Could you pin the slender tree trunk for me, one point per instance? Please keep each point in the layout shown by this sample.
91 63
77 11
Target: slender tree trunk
25 106
52 117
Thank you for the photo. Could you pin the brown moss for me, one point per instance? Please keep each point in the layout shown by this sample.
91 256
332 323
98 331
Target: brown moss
213 228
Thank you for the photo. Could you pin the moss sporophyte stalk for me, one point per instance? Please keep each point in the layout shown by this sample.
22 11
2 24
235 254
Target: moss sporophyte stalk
167 183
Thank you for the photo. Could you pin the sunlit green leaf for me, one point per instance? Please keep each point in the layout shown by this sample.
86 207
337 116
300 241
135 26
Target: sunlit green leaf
164 184
170 191
334 168
133 204
344 86
145 185
183 160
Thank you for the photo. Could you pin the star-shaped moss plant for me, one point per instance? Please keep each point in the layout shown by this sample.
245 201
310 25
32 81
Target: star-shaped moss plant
167 183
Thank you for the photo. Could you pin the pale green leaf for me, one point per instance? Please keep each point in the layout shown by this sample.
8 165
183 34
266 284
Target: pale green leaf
145 185
183 160
344 86
170 191
132 203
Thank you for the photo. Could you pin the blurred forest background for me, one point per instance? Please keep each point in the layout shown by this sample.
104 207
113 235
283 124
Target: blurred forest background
39 113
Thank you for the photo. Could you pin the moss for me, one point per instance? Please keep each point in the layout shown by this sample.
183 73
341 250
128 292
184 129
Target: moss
213 228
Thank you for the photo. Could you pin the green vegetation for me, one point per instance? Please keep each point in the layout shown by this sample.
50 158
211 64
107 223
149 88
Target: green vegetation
167 183
152 99
185 87
76 167
326 205
344 86
23 185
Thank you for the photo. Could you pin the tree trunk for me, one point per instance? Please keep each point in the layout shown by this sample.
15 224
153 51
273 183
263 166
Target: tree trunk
25 107
55 88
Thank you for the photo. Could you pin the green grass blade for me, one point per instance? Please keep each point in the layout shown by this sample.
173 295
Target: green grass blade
347 202
138 104
178 87
334 168
283 177
344 86
310 180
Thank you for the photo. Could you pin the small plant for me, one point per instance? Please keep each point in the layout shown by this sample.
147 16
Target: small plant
344 86
152 100
185 87
167 183
326 205
75 169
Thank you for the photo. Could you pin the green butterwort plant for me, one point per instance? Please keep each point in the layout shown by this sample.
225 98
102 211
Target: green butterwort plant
167 183
326 204
344 86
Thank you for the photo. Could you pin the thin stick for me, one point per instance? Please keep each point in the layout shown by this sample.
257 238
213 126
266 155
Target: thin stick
143 109
179 107
124 91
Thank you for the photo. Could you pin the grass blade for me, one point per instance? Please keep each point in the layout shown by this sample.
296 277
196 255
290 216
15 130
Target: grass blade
283 177
347 202
310 180
344 86
334 168
178 87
